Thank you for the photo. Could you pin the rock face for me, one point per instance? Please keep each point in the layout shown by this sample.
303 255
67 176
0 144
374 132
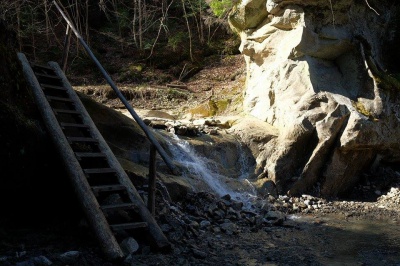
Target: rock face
318 71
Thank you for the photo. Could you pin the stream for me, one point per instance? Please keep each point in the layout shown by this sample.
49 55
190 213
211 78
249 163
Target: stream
332 238
340 241
205 173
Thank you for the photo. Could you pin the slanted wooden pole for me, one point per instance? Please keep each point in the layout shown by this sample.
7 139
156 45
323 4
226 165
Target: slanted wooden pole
120 95
151 202
67 43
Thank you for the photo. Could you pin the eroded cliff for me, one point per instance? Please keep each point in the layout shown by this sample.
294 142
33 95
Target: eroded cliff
323 74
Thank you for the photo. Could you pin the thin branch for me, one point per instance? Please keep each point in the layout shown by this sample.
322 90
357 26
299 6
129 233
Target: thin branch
366 1
162 25
333 15
188 27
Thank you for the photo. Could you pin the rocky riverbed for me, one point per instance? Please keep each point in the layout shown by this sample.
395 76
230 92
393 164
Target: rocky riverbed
205 229
208 230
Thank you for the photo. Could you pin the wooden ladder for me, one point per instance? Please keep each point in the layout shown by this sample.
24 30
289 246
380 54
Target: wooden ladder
112 205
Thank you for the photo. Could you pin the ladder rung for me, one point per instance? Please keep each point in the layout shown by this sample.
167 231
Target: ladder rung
120 206
41 66
59 99
82 139
128 226
80 155
99 170
61 111
48 86
47 76
64 125
109 188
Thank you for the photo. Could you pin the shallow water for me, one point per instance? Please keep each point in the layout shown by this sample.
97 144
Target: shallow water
354 241
330 239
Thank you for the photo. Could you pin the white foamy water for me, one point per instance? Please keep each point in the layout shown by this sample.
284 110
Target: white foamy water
207 171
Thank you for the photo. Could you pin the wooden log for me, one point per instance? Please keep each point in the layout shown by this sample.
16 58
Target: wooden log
151 204
177 86
185 89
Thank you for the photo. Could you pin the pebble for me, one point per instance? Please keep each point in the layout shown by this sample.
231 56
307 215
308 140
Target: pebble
201 212
69 257
199 254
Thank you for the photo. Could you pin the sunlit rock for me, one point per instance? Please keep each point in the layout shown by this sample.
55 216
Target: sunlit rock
317 73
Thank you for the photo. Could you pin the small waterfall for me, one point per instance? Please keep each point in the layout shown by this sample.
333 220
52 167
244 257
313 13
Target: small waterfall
245 168
243 161
207 170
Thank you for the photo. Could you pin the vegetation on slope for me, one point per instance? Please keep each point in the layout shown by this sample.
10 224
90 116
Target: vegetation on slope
131 38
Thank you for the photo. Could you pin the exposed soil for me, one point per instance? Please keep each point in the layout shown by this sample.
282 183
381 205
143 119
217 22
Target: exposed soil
221 79
207 230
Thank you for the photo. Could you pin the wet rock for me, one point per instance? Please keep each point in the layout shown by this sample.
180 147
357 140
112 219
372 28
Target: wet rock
216 229
237 205
219 214
212 131
181 130
20 254
25 263
3 258
194 225
229 228
226 197
186 127
204 224
232 214
129 246
69 257
41 261
177 234
266 186
199 254
133 261
182 262
222 205
276 217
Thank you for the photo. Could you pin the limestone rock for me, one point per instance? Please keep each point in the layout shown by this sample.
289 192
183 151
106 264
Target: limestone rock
266 187
315 74
248 14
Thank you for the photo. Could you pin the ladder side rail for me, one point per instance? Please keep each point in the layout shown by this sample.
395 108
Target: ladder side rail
151 204
67 44
158 238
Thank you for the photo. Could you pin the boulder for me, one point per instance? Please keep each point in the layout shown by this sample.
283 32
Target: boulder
317 74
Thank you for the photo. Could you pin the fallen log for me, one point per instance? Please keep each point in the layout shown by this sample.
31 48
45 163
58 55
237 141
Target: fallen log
180 86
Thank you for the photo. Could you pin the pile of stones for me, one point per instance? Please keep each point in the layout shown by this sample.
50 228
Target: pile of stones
186 127
200 212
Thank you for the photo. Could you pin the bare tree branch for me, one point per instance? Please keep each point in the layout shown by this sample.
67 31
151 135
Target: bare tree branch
366 1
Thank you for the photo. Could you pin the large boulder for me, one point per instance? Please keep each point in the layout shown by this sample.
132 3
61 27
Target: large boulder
318 72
